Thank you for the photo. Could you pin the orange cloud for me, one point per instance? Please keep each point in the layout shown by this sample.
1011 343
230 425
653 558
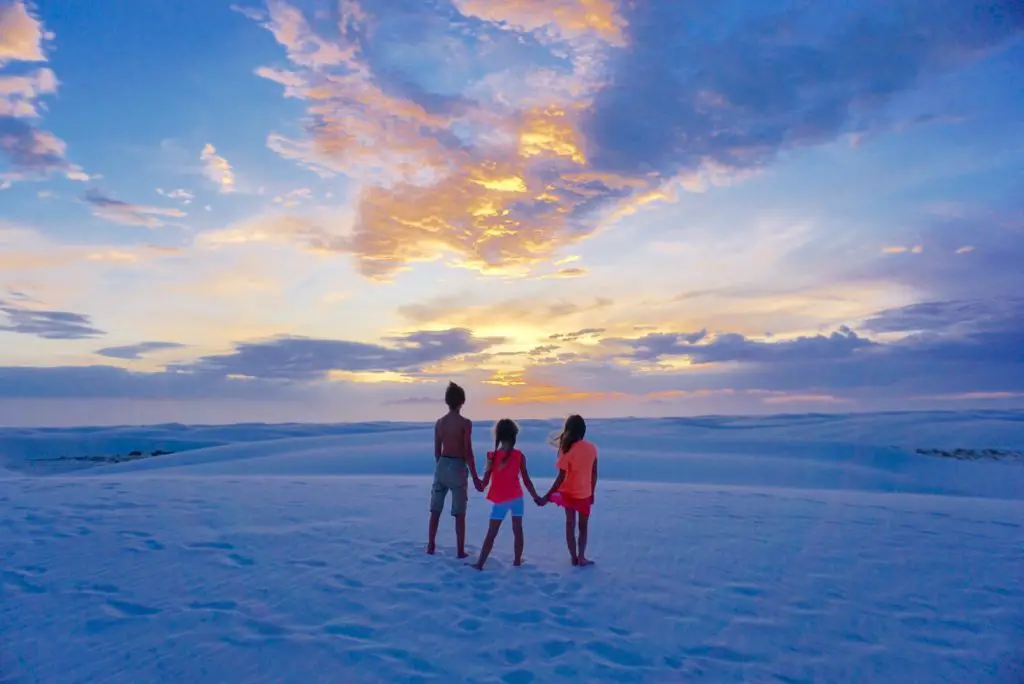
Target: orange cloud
535 393
21 34
567 18
500 196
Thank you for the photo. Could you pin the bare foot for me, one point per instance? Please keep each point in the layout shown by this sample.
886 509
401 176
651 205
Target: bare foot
431 549
583 562
463 554
476 566
518 563
575 561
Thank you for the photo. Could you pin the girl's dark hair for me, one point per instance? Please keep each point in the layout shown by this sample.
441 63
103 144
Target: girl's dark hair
505 430
575 429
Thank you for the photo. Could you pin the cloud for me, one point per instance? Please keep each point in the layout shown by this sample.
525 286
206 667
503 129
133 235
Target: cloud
50 325
302 359
33 153
497 186
693 89
566 18
576 335
134 352
19 94
129 214
293 198
82 382
412 401
699 348
185 196
217 169
253 13
462 311
21 34
945 316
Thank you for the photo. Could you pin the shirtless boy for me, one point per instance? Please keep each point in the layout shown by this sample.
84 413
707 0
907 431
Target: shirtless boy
454 462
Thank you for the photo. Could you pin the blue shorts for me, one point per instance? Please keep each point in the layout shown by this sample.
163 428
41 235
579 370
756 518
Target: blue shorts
515 506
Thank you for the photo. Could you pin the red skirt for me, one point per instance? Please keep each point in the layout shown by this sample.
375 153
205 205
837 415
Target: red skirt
581 506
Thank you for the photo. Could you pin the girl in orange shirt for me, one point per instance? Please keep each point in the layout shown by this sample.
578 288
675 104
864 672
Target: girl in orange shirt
574 487
505 465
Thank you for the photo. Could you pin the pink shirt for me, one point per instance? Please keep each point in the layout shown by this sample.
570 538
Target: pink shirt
505 466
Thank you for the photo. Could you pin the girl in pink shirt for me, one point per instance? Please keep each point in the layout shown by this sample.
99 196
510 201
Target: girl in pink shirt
574 487
505 465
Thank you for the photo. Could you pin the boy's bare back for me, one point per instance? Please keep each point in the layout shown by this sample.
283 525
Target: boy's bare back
452 436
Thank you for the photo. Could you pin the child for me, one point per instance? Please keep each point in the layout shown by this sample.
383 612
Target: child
504 466
574 487
454 461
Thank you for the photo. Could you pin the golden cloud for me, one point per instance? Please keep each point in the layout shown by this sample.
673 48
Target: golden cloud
497 186
566 18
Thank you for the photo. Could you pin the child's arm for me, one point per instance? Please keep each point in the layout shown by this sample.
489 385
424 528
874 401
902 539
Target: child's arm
437 441
487 473
593 481
555 485
470 459
527 482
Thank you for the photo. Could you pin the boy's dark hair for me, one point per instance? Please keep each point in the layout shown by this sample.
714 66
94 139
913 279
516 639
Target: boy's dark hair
505 430
454 396
575 429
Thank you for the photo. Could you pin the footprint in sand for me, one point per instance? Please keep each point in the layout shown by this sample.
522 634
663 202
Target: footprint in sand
470 625
352 630
557 649
213 605
518 677
524 617
135 534
311 563
209 546
723 654
126 609
349 582
240 561
19 582
615 655
90 588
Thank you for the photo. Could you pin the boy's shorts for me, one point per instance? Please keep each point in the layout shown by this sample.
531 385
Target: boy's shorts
450 474
500 510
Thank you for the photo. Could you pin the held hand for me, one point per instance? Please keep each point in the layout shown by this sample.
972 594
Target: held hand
537 500
478 483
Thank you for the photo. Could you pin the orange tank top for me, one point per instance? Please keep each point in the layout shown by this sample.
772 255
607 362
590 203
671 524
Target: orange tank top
505 466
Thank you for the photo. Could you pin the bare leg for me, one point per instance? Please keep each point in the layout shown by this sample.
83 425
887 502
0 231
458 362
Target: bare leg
435 520
485 550
584 530
460 535
517 533
570 535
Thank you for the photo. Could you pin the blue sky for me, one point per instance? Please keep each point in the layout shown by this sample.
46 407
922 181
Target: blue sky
320 210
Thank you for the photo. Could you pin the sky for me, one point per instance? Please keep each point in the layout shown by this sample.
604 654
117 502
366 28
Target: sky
322 210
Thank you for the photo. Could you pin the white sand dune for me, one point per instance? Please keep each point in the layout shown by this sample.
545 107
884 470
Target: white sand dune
787 549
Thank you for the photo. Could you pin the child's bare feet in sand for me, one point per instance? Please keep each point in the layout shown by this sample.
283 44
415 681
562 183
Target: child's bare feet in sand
431 549
462 555
583 562
518 563
476 566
